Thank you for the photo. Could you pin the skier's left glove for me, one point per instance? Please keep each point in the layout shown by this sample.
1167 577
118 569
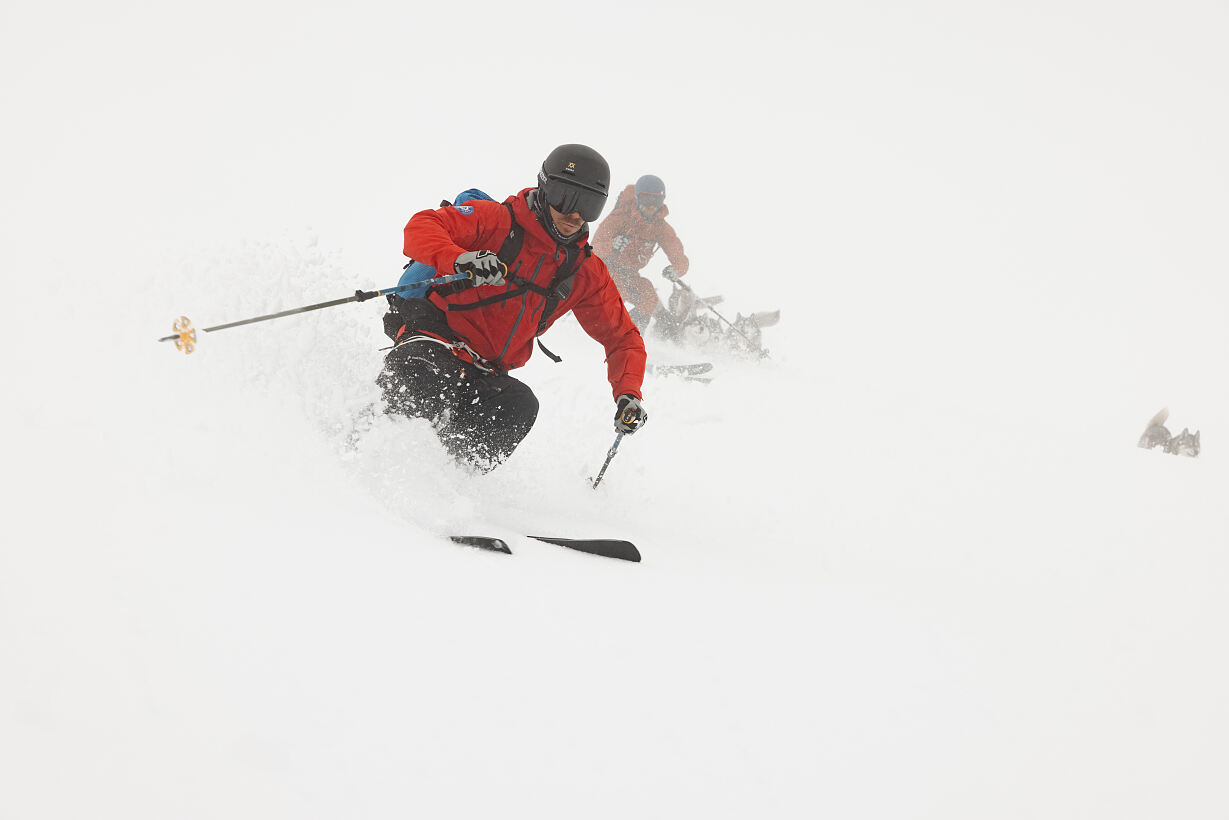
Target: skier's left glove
670 273
629 414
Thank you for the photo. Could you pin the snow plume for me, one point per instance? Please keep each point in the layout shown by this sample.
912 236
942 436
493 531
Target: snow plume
320 365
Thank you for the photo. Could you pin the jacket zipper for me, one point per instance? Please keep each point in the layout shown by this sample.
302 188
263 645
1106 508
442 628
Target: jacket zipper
524 304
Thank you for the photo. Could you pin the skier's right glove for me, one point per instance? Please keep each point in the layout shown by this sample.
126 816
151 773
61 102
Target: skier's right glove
670 273
620 242
629 414
484 267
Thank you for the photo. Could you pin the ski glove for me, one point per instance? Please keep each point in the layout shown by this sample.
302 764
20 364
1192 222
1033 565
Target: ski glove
670 273
484 267
629 415
620 242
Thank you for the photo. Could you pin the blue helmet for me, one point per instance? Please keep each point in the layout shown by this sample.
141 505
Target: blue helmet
649 184
650 196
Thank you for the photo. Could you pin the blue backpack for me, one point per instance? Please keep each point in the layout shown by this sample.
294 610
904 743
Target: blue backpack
418 275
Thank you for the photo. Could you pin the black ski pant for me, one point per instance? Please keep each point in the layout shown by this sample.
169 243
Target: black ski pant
479 417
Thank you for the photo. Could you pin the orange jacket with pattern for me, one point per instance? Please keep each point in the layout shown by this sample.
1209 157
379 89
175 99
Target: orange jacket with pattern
626 240
503 330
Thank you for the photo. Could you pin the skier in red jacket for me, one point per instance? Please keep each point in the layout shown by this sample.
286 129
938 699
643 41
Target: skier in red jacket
628 238
529 263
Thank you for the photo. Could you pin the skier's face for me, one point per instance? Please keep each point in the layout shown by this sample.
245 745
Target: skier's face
650 204
566 224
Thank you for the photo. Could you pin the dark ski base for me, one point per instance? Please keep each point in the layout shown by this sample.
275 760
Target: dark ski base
610 548
606 547
482 542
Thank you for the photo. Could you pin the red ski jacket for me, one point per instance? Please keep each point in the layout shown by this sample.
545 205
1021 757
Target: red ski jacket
640 237
502 330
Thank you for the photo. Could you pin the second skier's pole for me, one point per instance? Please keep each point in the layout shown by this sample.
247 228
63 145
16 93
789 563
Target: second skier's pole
676 279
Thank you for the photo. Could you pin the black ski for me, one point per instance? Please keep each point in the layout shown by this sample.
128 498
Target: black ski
680 369
482 542
610 548
606 547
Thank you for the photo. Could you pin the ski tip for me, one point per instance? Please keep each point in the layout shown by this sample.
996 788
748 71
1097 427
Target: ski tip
607 548
482 542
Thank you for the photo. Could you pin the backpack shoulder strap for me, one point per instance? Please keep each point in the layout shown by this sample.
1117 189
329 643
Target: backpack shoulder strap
561 288
511 248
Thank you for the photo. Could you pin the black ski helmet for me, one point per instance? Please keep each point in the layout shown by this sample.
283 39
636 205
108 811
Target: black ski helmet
649 184
575 179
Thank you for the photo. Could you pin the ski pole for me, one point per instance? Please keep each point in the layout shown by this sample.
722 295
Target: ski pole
676 279
614 449
185 335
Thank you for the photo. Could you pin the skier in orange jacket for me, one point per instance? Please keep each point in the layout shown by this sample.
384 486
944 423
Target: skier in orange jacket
627 240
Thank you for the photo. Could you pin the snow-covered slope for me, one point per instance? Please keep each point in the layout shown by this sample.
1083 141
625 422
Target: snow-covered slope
911 566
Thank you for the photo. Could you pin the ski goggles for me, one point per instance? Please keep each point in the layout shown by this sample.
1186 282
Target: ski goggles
567 198
650 200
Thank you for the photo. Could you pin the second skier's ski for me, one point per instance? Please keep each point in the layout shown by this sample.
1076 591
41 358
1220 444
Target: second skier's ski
679 369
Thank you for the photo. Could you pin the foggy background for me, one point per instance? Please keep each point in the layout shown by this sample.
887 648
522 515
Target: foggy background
911 566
